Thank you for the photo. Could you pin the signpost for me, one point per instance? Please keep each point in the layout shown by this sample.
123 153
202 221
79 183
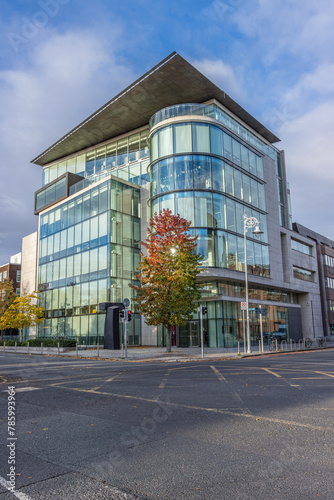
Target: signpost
203 310
126 303
262 312
243 309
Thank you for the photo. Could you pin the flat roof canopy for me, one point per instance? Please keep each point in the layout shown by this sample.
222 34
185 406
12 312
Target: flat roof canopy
172 81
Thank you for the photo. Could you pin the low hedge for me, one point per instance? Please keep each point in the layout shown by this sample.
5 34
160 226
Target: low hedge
10 342
49 342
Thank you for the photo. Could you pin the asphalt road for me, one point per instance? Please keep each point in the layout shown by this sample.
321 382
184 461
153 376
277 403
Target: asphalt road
255 428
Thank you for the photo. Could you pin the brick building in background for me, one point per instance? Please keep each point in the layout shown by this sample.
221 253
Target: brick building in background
12 271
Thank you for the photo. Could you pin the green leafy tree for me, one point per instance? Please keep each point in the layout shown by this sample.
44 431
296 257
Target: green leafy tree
167 274
22 312
7 297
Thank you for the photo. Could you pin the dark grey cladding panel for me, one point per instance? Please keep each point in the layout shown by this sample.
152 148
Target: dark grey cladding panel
295 323
172 81
309 233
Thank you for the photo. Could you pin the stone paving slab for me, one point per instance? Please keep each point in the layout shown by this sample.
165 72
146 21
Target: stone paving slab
156 353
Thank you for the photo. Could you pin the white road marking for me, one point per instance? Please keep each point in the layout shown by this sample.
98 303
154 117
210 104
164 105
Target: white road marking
25 389
200 408
164 381
18 494
273 373
219 375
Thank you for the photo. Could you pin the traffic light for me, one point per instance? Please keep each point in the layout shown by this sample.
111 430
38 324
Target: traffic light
204 310
129 316
121 314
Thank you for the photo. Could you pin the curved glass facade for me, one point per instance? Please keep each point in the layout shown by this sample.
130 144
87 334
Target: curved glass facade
204 138
223 247
200 172
213 111
211 179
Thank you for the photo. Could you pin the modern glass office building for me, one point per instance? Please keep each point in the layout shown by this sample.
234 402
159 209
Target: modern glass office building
172 140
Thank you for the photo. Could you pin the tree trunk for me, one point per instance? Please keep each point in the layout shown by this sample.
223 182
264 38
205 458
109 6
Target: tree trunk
168 339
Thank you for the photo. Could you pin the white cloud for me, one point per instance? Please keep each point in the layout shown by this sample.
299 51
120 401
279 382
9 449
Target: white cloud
303 28
222 74
67 77
308 141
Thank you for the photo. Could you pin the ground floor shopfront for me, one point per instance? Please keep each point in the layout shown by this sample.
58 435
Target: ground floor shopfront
223 326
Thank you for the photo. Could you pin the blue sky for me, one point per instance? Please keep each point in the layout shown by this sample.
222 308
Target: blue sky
62 59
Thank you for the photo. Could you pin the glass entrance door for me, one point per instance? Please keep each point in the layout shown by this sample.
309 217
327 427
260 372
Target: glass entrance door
189 335
193 329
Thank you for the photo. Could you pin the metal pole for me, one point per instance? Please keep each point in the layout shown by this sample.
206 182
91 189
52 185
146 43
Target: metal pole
98 349
243 329
58 347
15 346
249 349
126 338
202 335
238 347
76 349
261 330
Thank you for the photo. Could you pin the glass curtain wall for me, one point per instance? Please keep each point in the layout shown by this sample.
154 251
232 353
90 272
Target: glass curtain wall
213 191
89 250
129 151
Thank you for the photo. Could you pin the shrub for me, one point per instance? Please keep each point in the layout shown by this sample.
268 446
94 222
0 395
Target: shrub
10 342
50 342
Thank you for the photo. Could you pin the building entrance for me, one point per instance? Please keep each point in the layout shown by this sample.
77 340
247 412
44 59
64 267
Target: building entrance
189 335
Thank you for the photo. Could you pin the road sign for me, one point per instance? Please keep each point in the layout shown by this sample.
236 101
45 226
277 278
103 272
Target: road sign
126 302
261 310
243 306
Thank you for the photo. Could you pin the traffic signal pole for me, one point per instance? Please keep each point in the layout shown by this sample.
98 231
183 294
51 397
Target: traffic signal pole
126 338
202 333
126 317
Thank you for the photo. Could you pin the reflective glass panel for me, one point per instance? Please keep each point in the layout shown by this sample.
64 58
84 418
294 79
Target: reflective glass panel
183 172
216 135
201 138
166 169
185 206
203 210
217 174
165 141
182 138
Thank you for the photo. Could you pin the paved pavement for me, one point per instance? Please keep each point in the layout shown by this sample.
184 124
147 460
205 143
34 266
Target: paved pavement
156 353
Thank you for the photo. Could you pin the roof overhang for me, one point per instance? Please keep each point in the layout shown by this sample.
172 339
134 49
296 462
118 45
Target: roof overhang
172 81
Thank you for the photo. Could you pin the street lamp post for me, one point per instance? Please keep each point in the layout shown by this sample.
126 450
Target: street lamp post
249 222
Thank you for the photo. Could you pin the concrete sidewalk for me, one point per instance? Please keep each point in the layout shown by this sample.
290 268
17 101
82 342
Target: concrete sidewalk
155 353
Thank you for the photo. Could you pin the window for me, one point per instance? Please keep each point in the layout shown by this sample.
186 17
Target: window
18 276
301 247
329 282
4 274
304 274
328 261
182 138
17 291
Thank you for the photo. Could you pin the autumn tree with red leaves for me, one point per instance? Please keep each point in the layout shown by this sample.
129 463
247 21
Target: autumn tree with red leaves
168 289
